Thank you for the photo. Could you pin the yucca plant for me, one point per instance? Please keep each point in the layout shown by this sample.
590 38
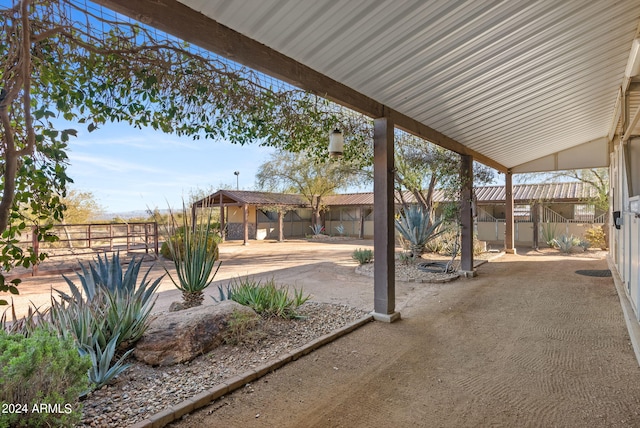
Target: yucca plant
25 326
549 233
194 260
415 225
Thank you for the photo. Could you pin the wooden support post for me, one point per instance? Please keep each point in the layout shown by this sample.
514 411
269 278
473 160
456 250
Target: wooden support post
280 226
361 225
466 215
384 232
222 219
509 244
535 213
245 223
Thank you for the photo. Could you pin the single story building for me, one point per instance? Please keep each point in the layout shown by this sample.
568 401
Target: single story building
563 207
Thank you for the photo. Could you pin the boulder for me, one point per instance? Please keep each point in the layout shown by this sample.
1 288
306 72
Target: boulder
177 337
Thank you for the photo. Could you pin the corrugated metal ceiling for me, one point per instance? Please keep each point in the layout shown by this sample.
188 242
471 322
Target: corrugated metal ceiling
513 80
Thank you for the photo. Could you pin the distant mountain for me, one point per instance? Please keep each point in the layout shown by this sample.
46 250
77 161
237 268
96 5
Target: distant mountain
126 215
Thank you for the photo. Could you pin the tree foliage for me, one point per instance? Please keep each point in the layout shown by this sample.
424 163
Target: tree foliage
421 167
313 179
88 66
80 207
597 178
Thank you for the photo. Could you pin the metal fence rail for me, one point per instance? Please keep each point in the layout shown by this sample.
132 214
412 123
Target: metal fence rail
82 239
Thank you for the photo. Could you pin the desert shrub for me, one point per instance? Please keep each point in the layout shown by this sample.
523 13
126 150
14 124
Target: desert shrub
449 243
565 243
584 244
362 256
415 225
596 237
268 299
107 314
42 369
241 326
177 242
340 229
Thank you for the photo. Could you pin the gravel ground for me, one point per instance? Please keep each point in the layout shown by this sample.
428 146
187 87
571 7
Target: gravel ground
143 390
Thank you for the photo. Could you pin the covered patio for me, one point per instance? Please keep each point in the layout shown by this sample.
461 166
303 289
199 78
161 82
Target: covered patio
518 86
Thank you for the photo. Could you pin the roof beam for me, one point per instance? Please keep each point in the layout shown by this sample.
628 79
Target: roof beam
175 18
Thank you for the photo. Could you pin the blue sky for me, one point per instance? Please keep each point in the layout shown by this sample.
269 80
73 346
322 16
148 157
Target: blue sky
128 169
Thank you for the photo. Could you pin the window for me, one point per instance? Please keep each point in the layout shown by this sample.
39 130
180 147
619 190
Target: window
584 212
522 213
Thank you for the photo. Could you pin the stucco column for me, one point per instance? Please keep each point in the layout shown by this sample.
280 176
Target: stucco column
509 244
280 226
384 231
466 215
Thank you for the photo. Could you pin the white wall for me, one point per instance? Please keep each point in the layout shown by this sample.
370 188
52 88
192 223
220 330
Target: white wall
625 242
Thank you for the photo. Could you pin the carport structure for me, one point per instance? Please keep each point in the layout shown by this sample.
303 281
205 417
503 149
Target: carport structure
521 86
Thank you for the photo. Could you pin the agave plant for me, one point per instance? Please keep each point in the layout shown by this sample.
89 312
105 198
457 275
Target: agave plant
194 260
106 314
565 243
415 225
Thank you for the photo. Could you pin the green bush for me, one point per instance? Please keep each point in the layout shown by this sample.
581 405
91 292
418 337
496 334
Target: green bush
45 371
107 314
596 237
362 256
266 299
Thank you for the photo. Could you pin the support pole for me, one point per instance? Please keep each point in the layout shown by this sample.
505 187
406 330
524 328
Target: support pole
509 244
245 223
466 215
280 226
535 213
222 224
384 235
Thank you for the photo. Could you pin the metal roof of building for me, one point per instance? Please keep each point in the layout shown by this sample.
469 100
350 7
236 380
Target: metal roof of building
250 197
570 191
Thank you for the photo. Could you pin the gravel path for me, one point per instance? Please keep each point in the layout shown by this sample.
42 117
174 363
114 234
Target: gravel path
143 390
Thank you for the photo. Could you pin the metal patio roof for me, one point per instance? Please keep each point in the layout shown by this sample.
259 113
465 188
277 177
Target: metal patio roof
524 85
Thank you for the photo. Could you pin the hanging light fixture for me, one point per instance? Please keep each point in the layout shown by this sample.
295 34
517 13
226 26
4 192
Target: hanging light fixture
336 144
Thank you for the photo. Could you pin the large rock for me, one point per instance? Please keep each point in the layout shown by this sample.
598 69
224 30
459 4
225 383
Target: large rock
181 336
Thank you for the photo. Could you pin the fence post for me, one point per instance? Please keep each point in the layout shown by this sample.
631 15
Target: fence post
128 234
89 235
146 238
155 232
110 237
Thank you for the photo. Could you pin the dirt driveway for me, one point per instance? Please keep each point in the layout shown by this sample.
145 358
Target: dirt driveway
527 343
